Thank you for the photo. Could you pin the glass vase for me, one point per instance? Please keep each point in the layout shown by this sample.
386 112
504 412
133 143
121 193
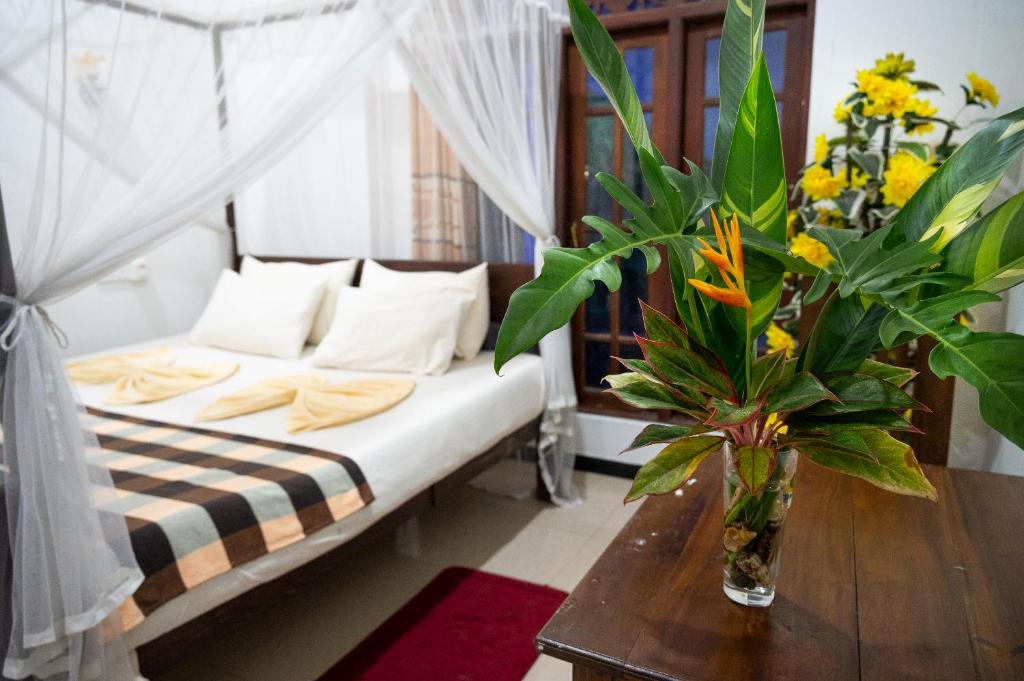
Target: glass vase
754 525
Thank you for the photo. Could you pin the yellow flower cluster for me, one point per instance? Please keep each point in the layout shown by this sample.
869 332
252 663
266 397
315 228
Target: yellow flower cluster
884 96
842 112
923 109
778 340
982 90
820 148
904 175
894 66
819 183
858 178
791 218
810 249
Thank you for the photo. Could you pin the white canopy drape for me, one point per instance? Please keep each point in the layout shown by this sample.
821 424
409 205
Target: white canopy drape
488 72
112 144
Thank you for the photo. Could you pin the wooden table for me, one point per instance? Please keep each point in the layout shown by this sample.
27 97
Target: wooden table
873 586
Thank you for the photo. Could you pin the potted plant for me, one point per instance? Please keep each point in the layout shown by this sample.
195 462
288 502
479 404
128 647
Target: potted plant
725 240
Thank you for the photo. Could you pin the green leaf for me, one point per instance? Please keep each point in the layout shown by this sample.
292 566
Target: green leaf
871 162
754 186
860 392
679 365
567 279
673 466
638 391
930 315
695 190
740 47
656 433
798 392
991 362
754 466
839 423
898 376
818 287
602 59
869 264
948 200
918 149
725 414
991 251
844 335
660 329
767 372
874 456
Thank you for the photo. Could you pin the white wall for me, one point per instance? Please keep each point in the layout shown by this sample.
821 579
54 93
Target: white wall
180 276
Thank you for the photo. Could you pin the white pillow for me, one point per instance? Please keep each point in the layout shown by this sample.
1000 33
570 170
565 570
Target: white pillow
473 329
376 331
334 275
264 318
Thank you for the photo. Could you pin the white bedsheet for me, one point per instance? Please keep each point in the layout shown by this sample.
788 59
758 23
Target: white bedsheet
447 421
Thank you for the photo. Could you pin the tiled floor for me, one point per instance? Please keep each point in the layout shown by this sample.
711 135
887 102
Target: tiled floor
518 538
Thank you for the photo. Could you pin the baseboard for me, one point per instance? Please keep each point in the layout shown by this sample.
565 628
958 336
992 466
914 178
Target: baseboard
595 465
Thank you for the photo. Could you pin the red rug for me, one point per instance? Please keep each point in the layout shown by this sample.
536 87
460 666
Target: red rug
466 625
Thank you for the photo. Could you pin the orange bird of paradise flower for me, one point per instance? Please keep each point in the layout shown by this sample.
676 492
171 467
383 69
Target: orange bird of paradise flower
729 261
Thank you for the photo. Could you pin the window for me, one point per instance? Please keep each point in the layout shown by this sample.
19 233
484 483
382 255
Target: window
672 57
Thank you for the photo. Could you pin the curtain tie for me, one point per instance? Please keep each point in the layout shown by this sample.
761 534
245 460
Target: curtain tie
16 323
552 242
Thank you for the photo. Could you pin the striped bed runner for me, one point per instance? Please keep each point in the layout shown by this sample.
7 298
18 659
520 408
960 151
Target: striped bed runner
199 503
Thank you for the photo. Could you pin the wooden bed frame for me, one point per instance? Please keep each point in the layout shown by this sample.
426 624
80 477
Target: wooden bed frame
165 652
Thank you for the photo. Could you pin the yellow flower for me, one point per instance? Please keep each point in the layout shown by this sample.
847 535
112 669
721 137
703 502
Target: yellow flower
830 217
791 218
772 420
904 175
819 183
921 108
858 178
778 339
842 111
982 90
894 66
810 249
820 148
884 96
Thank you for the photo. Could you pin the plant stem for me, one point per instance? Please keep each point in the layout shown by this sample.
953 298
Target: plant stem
746 355
696 320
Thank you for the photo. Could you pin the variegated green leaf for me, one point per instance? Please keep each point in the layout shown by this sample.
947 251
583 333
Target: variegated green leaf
673 466
949 200
740 47
604 62
991 252
754 466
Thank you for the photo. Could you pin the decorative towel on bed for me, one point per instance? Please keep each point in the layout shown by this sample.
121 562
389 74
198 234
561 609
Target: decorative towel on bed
199 503
149 376
315 403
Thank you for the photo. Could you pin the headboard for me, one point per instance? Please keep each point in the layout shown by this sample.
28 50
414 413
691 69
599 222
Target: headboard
502 278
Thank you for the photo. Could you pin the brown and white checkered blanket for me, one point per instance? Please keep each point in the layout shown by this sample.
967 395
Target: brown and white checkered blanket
199 503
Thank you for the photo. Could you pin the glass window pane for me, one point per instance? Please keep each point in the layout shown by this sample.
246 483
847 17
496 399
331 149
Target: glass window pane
779 106
775 55
595 95
711 67
600 140
595 363
628 349
596 316
640 64
710 125
634 289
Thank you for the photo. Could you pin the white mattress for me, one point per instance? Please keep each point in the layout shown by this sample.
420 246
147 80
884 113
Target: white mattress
446 422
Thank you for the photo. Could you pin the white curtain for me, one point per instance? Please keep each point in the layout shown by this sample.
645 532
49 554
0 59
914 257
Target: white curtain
111 144
488 72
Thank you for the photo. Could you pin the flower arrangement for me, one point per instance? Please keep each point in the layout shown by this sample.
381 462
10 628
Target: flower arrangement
862 177
726 243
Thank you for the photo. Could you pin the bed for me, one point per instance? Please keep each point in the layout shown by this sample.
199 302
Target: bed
397 462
